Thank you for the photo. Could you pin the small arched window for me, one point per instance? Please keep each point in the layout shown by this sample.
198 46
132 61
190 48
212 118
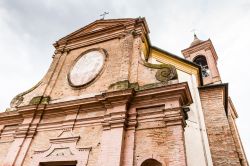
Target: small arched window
201 60
151 162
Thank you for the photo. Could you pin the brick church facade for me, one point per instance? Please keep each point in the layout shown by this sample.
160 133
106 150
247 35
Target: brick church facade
110 98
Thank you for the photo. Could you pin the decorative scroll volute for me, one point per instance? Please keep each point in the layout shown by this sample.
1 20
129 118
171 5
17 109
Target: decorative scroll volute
165 72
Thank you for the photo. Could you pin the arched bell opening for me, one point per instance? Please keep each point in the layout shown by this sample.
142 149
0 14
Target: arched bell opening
202 61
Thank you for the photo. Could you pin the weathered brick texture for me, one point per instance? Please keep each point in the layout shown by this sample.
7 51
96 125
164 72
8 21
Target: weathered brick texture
220 137
125 115
153 139
236 136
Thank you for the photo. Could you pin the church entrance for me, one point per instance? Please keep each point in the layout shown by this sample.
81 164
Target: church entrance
151 162
59 163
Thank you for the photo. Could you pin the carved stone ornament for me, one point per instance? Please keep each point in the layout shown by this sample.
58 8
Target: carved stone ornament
87 67
18 99
62 150
165 72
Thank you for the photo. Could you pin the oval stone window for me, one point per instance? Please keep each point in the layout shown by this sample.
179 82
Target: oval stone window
87 67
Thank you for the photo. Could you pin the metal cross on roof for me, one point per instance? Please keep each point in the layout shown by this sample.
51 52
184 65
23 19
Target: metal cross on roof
194 31
103 15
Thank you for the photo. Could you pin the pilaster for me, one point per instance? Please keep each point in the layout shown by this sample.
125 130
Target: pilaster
24 134
114 122
175 123
129 142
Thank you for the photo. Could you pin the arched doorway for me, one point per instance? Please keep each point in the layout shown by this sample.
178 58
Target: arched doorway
59 163
151 162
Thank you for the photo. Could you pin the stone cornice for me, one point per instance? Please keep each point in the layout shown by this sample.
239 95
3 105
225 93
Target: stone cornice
10 118
106 101
86 102
116 98
114 28
178 91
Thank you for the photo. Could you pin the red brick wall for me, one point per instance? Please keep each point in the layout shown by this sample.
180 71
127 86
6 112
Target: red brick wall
236 137
154 139
220 137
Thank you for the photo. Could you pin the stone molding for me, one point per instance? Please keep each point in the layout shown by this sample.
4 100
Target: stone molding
117 116
109 100
116 29
62 149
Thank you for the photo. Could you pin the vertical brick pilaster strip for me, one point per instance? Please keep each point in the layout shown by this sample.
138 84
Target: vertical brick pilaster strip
23 137
129 143
176 146
112 138
30 135
56 72
175 122
127 50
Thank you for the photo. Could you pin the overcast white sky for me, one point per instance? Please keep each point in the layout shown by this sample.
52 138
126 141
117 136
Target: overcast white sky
28 29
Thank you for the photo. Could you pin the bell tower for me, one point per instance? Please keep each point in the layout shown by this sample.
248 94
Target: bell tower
203 53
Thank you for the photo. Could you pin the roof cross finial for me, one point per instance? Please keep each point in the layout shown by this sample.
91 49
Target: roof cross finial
194 30
103 15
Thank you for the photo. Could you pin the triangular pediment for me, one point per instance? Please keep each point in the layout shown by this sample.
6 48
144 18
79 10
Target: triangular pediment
99 25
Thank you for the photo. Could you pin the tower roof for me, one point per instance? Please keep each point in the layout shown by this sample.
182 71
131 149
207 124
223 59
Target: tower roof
196 41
